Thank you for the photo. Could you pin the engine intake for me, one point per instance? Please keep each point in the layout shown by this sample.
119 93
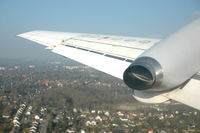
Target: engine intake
144 74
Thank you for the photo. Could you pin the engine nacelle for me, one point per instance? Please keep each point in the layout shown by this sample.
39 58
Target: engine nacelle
144 74
168 64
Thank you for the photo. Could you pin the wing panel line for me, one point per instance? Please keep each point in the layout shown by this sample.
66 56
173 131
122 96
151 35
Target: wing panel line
105 43
107 55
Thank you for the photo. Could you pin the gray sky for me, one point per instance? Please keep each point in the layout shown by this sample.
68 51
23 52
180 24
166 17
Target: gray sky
140 18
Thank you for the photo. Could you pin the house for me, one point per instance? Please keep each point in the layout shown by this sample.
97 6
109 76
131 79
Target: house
98 118
82 131
5 116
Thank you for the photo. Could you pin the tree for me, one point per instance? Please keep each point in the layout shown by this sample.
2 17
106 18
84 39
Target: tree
69 102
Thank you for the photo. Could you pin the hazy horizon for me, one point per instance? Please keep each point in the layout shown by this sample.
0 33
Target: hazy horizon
125 18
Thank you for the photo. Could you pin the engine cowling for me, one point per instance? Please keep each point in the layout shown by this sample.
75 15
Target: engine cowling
168 64
144 74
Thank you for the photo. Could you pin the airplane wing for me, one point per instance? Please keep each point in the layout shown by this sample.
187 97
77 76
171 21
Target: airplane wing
119 56
109 54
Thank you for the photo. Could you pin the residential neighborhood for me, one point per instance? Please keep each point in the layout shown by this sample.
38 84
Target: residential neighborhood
57 97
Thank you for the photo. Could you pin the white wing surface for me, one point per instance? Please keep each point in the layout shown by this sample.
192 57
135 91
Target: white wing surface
189 94
109 54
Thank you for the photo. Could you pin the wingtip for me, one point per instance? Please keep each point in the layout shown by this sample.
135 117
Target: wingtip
19 35
23 35
27 34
